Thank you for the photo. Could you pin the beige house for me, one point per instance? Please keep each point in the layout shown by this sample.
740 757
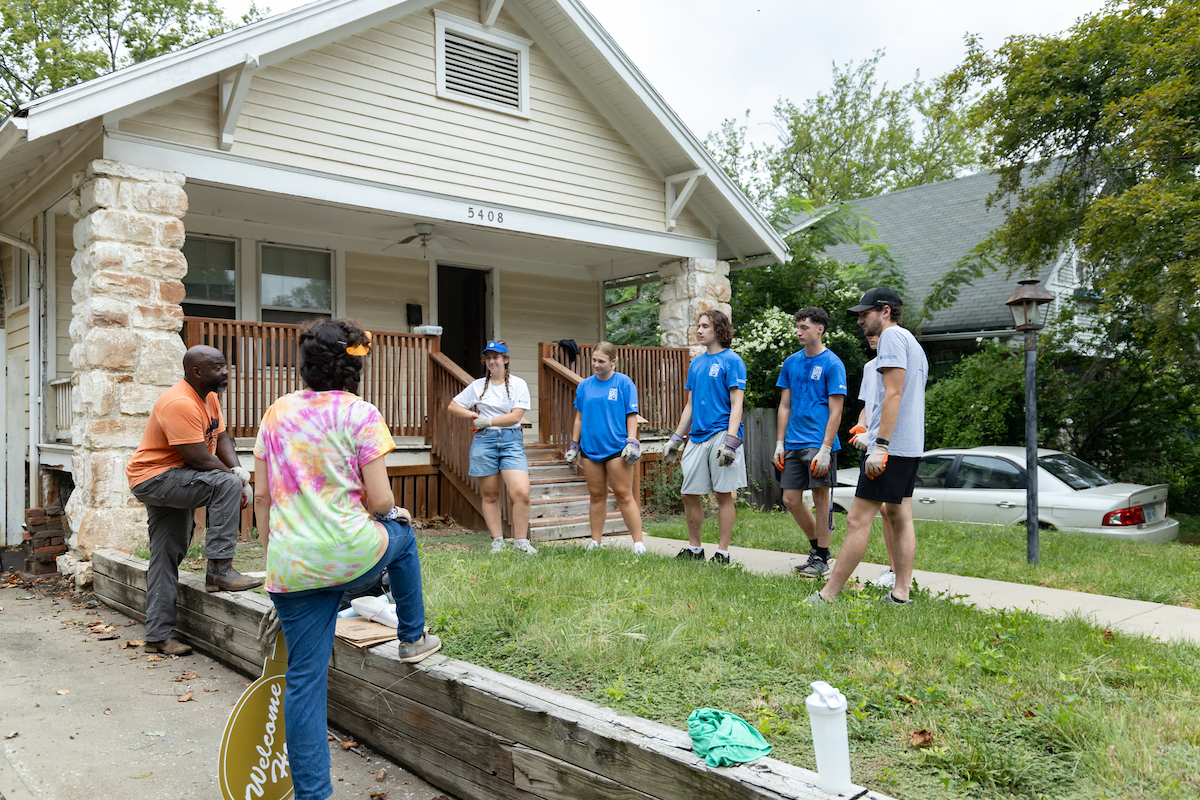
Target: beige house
481 166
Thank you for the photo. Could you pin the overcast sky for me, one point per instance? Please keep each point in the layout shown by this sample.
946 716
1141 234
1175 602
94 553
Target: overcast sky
713 59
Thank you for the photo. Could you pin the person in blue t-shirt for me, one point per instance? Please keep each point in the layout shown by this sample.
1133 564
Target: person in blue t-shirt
713 460
605 435
810 409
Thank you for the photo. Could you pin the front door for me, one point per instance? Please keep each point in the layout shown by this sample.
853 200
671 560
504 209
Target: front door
463 315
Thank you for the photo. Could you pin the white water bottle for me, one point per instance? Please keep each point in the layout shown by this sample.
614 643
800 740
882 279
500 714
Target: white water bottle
827 713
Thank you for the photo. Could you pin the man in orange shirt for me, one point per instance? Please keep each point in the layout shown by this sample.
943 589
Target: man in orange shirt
186 460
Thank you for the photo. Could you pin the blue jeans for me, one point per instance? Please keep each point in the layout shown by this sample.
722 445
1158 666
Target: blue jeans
496 449
308 619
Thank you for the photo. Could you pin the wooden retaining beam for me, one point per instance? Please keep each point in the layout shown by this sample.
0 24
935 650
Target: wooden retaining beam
472 731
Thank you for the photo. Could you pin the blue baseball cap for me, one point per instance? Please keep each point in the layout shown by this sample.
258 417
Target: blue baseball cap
495 347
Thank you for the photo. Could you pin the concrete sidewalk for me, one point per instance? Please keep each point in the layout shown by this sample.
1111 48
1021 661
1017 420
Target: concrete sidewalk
1158 621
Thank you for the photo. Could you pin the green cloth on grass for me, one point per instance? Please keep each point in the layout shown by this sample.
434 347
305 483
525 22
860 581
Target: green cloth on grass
723 739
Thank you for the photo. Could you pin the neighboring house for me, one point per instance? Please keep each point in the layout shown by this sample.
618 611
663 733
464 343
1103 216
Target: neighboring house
479 165
928 229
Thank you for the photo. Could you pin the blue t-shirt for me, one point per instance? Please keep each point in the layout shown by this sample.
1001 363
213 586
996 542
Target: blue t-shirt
811 381
605 405
710 377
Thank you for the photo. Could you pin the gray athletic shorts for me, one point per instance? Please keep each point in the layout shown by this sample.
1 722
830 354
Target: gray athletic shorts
796 474
701 474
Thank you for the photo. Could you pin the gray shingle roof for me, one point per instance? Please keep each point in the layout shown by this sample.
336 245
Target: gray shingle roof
927 230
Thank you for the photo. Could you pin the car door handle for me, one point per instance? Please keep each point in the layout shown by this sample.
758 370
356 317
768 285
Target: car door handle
926 500
1006 504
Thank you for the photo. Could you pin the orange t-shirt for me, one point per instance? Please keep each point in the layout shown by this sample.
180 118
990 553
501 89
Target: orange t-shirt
178 417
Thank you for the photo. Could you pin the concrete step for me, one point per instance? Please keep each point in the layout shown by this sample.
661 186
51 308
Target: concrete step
572 527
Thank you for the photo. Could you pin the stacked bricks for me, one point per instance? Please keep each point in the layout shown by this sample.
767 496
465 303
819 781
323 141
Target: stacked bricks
688 287
126 349
45 539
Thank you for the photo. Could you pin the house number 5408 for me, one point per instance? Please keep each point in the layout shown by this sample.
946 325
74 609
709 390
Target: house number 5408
485 215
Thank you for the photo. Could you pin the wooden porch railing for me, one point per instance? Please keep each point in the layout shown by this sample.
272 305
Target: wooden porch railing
264 366
451 436
659 373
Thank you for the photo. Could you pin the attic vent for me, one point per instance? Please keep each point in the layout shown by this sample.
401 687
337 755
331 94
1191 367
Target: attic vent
482 66
483 71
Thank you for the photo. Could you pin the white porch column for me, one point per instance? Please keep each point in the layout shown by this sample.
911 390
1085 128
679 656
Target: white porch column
690 286
125 332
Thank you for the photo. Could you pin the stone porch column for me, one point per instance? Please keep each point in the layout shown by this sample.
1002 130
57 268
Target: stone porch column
690 286
125 332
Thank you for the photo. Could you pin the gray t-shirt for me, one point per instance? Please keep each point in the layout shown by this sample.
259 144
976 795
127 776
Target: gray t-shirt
899 348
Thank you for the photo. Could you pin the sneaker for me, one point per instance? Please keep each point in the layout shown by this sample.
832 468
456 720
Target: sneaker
524 546
815 567
890 599
687 553
594 545
815 599
412 652
639 548
498 544
718 558
885 580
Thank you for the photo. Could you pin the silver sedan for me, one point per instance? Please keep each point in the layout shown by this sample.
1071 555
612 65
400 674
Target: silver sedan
986 485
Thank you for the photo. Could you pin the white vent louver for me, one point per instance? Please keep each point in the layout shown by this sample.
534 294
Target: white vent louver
483 71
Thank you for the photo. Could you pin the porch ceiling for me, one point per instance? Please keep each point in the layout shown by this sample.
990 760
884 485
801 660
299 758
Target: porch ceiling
374 231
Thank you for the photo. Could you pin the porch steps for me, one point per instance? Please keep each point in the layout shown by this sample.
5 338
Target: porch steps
558 498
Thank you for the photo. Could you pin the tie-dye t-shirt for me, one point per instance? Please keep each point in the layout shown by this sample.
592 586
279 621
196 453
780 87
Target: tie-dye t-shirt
315 444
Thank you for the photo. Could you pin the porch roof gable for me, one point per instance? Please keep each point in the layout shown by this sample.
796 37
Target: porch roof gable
564 29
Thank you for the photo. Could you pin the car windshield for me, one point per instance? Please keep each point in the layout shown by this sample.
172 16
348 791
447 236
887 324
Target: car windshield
1073 472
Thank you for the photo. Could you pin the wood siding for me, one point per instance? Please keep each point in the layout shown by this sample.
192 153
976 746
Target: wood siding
540 308
64 306
366 107
379 287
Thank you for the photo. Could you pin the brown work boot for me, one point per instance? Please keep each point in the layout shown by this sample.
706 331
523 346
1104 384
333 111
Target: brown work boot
221 576
171 647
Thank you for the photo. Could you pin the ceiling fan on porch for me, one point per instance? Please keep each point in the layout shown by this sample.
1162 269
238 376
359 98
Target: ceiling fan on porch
424 232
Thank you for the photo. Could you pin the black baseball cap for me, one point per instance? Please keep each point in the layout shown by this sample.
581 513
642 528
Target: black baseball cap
879 296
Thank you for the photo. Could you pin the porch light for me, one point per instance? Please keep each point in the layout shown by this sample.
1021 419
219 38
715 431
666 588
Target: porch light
1026 303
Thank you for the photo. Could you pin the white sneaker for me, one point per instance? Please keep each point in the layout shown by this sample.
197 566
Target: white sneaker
524 546
594 545
639 548
885 580
498 544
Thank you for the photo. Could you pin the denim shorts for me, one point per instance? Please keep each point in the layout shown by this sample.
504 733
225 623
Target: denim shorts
495 449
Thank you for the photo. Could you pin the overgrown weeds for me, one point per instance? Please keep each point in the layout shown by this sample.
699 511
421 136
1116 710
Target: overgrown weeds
946 701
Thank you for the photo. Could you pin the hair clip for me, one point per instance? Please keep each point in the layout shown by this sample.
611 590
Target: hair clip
360 349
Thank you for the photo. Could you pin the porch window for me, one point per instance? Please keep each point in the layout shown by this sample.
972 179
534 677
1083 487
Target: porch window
297 284
481 65
211 280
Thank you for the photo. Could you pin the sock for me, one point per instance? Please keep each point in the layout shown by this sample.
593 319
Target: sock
821 553
812 543
696 549
724 553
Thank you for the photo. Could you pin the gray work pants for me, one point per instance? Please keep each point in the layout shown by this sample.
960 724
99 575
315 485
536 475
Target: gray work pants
171 499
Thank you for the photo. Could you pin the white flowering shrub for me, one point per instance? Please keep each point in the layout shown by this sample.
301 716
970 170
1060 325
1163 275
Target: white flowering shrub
764 342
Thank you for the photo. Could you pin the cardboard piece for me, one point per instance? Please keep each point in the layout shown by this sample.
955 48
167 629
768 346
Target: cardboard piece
362 632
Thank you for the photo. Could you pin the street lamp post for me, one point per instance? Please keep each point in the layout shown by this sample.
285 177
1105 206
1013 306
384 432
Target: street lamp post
1026 303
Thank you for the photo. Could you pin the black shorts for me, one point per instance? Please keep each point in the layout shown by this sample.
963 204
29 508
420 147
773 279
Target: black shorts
796 474
894 484
605 459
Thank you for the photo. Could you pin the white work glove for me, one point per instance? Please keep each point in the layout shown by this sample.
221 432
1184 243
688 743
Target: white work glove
269 625
671 454
242 473
877 461
727 452
632 451
247 492
779 456
858 437
480 423
820 464
572 453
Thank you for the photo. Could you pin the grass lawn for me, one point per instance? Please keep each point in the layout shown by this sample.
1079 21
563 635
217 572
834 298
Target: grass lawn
1014 705
1161 573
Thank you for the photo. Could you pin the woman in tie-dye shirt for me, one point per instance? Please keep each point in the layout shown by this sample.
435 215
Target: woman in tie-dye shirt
324 499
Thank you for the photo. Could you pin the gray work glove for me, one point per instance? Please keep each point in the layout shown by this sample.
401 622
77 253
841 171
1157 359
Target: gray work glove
632 451
269 625
671 454
727 452
480 423
572 453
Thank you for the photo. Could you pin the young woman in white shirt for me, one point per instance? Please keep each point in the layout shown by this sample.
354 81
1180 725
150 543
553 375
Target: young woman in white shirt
495 404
